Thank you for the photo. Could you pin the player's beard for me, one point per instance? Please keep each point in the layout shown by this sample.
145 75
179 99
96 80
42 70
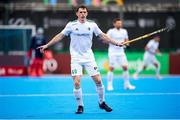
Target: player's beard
118 27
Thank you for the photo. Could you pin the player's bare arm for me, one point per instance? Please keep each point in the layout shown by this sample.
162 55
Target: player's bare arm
158 52
126 40
54 40
148 49
125 45
107 39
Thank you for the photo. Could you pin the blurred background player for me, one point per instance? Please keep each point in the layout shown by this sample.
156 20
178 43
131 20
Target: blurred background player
117 55
151 50
36 57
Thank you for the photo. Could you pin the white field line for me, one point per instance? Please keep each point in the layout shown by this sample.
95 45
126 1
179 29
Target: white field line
87 94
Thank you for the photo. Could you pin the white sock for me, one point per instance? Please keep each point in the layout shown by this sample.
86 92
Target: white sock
126 77
100 91
78 96
110 76
157 70
139 70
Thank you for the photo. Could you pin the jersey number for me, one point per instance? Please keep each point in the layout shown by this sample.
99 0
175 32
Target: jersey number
74 71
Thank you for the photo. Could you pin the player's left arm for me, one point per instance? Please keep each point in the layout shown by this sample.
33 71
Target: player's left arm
107 39
104 36
158 52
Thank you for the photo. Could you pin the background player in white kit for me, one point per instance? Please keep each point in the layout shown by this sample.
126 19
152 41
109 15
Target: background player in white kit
81 33
117 55
151 50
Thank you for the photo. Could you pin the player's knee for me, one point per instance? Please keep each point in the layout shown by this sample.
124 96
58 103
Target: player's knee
111 69
144 67
77 84
156 65
98 82
97 79
125 68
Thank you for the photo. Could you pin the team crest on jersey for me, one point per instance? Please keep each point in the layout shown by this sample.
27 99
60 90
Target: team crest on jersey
89 28
76 29
95 68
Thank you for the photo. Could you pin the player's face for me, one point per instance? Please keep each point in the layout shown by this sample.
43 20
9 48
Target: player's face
118 24
82 14
157 39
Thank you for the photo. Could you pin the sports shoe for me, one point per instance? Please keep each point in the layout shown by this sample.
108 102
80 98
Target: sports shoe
158 77
80 110
129 87
104 106
135 76
110 88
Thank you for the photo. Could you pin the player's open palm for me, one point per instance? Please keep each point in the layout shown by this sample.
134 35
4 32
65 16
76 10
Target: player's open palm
42 48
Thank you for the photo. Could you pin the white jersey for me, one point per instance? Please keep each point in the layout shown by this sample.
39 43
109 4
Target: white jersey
118 35
81 35
152 47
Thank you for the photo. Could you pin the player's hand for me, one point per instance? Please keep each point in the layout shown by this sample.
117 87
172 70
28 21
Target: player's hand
42 48
159 54
120 44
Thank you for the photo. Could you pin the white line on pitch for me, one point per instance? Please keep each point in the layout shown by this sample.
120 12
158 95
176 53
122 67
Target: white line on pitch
87 94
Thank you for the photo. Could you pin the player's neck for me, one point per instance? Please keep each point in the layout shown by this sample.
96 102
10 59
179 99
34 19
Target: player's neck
117 28
82 20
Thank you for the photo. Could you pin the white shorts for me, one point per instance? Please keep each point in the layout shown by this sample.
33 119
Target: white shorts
90 67
150 59
118 60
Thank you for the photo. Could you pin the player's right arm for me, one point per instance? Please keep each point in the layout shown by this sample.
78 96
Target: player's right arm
65 32
54 40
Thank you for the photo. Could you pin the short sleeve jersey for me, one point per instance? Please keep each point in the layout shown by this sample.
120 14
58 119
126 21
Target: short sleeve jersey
118 35
81 35
152 46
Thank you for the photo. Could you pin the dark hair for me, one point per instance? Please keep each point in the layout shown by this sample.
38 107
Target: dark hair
157 36
81 6
116 19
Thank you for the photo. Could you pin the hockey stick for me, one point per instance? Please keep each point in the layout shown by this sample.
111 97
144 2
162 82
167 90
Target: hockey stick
168 28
